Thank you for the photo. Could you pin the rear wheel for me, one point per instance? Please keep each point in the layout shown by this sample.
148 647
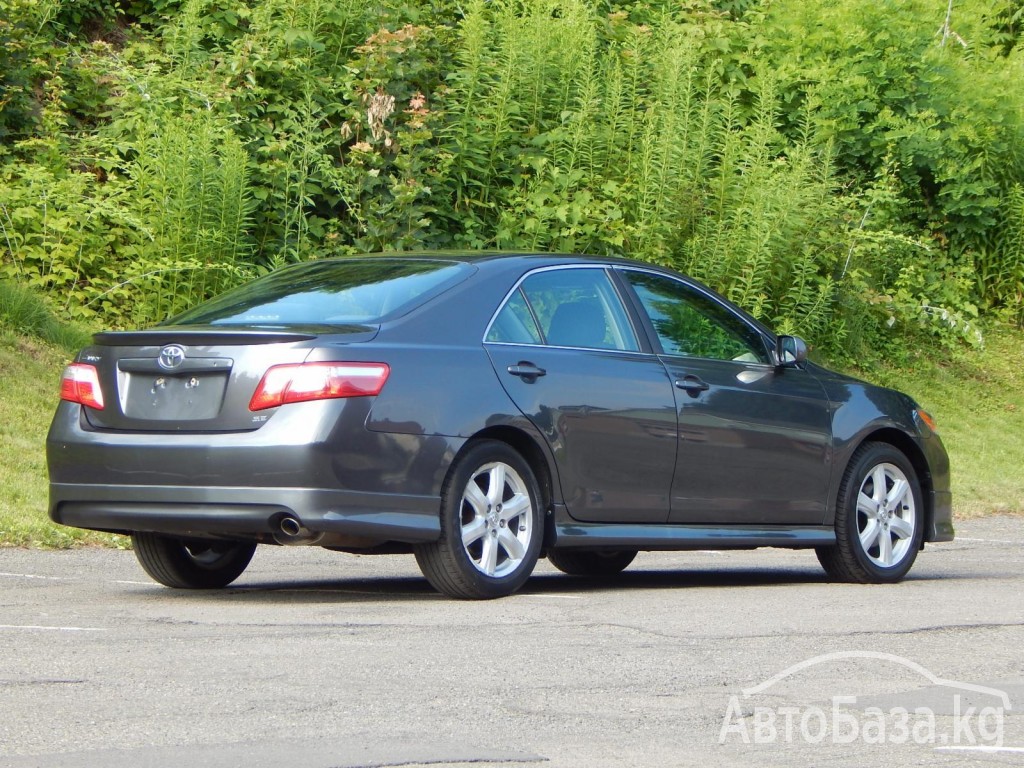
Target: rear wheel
191 563
590 563
879 518
491 525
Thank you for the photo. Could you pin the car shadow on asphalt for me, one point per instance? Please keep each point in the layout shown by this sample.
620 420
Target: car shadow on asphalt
413 589
395 588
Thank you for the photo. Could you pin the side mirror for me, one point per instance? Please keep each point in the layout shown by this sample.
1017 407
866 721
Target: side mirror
790 351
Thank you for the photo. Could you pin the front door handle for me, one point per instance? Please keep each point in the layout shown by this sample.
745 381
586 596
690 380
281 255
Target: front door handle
693 385
527 371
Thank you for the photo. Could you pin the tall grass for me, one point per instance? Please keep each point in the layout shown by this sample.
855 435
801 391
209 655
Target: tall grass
1000 268
627 141
191 208
24 312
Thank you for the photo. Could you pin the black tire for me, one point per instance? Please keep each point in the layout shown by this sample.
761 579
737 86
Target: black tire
191 563
879 527
590 563
505 526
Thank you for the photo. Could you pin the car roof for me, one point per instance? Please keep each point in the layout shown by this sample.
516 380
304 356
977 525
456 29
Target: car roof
504 257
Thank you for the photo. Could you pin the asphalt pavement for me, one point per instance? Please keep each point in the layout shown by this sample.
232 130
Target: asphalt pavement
315 659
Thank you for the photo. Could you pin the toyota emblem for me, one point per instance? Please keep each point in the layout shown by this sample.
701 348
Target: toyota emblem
171 357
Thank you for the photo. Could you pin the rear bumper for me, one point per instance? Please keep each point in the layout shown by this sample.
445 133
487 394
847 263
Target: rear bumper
244 512
314 462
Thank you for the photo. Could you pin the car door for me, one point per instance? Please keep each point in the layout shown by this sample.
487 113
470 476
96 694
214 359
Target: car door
565 350
754 440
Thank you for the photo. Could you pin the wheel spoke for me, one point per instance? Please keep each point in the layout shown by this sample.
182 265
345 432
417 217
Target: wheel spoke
511 544
870 534
878 480
866 505
471 532
902 528
476 499
496 489
898 493
514 507
489 556
885 548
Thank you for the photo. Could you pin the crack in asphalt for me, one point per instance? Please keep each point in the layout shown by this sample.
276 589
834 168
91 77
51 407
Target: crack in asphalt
845 633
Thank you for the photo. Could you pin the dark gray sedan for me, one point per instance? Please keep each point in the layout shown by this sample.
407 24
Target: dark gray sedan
483 411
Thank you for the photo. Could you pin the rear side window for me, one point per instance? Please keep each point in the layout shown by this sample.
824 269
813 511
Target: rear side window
515 324
332 292
565 308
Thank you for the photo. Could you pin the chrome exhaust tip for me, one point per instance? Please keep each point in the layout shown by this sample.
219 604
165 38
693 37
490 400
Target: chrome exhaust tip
291 532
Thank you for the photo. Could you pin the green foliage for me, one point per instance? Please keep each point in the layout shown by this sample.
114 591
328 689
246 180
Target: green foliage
34 346
1000 266
639 147
29 381
86 17
21 66
391 160
190 204
22 310
132 249
289 91
57 234
772 228
939 118
842 170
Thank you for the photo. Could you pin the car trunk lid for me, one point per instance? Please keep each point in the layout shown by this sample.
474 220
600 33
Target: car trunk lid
195 379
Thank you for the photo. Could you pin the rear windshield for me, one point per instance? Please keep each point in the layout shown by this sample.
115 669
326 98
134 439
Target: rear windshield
333 292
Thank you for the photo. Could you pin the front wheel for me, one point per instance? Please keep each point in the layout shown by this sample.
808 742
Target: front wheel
191 563
491 525
879 518
590 563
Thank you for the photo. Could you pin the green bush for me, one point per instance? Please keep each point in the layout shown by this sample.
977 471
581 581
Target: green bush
22 67
939 116
840 169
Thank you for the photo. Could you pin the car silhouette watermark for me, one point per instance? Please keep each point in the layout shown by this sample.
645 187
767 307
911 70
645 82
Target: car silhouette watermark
971 717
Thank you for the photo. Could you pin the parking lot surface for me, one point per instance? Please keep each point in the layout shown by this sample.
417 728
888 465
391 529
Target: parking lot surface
328 660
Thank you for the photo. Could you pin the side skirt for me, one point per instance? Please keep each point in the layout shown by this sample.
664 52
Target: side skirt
564 533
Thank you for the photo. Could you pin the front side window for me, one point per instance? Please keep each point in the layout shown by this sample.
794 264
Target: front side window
692 324
565 308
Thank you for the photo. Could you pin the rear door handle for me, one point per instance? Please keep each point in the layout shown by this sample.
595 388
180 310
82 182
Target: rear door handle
694 385
527 371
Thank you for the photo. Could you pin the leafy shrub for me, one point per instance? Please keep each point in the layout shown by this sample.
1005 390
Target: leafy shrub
940 116
22 67
838 168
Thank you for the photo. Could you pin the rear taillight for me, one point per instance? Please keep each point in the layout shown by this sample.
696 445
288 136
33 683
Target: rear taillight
317 381
80 383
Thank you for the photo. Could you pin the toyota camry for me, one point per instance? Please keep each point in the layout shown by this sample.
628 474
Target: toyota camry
482 411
